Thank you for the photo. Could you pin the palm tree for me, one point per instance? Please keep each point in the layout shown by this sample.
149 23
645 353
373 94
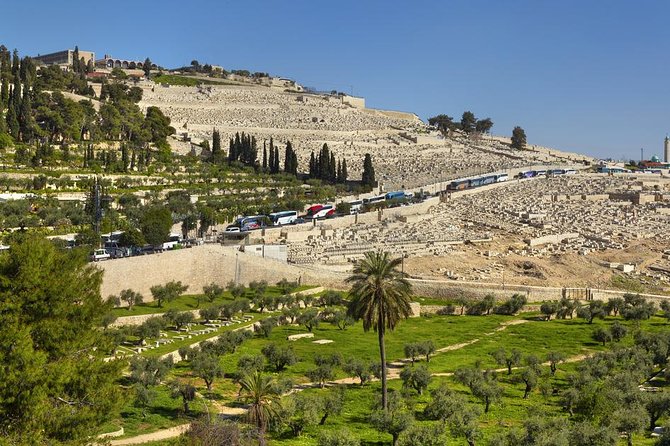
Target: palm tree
260 392
380 297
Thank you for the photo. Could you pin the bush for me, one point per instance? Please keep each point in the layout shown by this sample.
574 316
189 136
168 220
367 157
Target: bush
341 437
446 310
512 306
5 141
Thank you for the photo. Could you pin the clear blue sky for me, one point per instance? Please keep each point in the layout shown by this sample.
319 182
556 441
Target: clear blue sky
588 75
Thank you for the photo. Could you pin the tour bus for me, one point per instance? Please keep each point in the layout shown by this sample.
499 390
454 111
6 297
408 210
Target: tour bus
172 241
355 207
320 211
373 200
283 217
398 195
501 177
251 222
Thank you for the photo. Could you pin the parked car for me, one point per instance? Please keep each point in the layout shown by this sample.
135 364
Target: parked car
232 228
100 254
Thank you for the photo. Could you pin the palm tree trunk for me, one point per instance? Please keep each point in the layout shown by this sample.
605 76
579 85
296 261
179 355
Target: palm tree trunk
382 355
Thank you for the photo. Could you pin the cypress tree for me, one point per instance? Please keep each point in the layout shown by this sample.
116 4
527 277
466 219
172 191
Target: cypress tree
324 163
332 167
231 151
288 158
26 117
12 117
76 64
265 157
276 166
312 165
5 77
15 65
344 170
294 163
124 157
216 145
368 179
339 171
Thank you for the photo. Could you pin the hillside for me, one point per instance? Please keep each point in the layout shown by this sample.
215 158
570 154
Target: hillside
406 152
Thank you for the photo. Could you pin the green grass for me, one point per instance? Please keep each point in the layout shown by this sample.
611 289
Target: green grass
167 348
188 302
571 337
187 81
164 412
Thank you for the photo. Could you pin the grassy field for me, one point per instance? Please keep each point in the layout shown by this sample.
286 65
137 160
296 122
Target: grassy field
532 336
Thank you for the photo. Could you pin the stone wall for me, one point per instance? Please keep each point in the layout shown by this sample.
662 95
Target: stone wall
199 266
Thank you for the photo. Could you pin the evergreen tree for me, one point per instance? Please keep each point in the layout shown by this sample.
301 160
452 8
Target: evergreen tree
339 171
518 138
265 157
216 145
345 174
312 165
56 388
231 151
368 179
12 117
5 77
468 122
76 62
15 66
276 165
332 169
26 117
146 67
324 162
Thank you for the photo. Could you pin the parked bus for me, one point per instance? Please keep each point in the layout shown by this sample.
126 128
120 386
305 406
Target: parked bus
251 222
283 217
398 195
320 211
373 200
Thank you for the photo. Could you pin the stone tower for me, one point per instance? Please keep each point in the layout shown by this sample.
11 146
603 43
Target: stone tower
666 150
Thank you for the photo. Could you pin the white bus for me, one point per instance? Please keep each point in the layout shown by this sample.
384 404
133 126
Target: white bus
355 207
283 217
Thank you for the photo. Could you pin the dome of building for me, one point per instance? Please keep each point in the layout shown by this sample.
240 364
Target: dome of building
655 159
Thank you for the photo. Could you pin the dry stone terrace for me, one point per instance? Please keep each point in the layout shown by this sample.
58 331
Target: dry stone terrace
574 213
405 152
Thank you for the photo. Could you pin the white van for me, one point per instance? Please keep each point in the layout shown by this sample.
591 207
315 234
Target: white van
100 254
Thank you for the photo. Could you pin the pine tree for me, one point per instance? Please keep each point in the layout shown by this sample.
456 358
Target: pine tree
518 138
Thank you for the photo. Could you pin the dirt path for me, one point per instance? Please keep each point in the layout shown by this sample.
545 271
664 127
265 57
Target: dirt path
153 436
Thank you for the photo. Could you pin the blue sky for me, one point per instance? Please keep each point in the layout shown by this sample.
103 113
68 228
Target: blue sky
589 75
